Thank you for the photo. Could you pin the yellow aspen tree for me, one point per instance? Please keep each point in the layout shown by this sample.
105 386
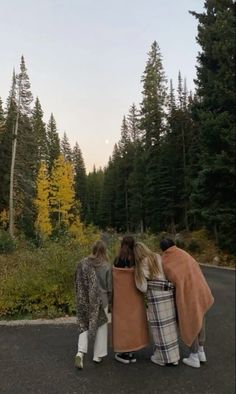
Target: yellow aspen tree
43 225
62 193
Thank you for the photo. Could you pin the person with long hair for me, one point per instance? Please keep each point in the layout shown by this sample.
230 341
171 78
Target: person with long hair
129 320
93 294
150 279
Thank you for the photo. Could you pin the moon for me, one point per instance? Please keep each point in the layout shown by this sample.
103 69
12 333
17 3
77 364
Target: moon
106 141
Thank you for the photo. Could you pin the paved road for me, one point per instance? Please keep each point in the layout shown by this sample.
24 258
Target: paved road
39 359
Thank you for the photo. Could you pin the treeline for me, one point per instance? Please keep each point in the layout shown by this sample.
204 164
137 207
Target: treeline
173 167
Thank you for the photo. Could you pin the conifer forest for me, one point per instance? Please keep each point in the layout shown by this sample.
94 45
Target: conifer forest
173 168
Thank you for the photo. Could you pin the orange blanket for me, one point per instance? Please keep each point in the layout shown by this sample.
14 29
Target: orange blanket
193 295
129 319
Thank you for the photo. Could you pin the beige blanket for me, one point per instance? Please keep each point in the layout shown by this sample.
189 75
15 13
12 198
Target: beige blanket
129 319
193 295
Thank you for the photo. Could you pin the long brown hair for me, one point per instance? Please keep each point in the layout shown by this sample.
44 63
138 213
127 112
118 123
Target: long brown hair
142 252
99 251
126 251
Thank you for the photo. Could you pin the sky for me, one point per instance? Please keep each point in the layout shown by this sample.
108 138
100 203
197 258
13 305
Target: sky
85 59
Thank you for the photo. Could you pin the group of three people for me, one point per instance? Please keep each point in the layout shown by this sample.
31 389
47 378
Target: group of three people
177 298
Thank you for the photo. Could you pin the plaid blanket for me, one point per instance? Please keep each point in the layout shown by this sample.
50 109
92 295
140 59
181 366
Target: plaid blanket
162 319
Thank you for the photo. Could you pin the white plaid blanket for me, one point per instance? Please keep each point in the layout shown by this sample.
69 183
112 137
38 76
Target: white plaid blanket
162 319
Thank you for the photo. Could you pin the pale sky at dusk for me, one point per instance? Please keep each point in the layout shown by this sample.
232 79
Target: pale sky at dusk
85 59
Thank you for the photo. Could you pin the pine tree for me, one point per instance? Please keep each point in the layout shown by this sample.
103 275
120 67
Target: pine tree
152 126
123 163
108 213
3 148
2 121
80 179
6 146
94 190
137 190
175 160
42 224
214 195
53 142
62 191
39 132
23 84
23 172
66 148
133 124
168 167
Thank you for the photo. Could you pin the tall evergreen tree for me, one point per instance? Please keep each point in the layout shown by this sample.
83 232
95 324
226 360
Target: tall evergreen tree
124 167
152 125
39 133
23 144
108 213
214 194
94 190
6 146
168 167
53 142
80 179
133 124
66 148
2 120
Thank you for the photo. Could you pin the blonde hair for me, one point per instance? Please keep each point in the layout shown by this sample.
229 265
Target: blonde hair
142 252
99 251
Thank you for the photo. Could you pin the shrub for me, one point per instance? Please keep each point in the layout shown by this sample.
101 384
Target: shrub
40 282
7 244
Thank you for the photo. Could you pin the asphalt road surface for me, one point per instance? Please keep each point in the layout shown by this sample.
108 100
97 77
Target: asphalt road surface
40 359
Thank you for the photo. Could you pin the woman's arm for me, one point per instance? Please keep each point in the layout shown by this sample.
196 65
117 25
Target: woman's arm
142 286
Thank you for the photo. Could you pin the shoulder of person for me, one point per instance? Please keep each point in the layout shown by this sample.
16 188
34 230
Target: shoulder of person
106 265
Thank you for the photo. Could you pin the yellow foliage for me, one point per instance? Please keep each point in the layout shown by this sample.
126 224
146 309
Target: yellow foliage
4 218
76 229
43 224
85 236
62 192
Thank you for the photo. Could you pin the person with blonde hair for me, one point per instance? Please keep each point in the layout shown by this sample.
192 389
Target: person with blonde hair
93 294
150 279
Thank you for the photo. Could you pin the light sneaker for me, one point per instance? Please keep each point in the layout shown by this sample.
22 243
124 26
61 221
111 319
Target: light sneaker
192 360
97 360
175 363
202 356
158 362
79 358
132 358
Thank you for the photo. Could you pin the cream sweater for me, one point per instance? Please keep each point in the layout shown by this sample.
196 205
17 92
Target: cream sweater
144 284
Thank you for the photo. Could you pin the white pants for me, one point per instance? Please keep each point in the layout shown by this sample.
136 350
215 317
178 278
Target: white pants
100 344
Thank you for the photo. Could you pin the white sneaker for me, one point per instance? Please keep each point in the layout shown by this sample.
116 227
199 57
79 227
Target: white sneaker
79 360
97 360
175 363
158 362
192 360
202 356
